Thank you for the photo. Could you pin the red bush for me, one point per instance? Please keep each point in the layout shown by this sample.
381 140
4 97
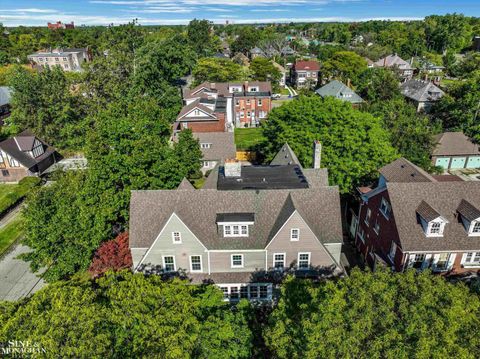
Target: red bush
114 254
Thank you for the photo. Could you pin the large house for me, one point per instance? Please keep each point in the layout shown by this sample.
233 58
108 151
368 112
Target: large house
59 25
339 91
5 97
395 62
423 94
244 229
70 60
304 74
216 147
415 220
216 107
25 155
454 150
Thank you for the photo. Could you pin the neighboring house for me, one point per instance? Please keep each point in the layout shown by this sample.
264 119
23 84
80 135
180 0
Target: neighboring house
70 60
59 25
339 91
283 80
422 93
396 63
246 228
217 107
5 97
241 59
25 155
411 220
257 52
454 150
216 147
304 74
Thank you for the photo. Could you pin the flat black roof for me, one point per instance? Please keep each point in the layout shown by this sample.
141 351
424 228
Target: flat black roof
235 217
263 177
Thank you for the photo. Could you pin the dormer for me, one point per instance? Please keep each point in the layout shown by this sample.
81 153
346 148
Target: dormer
432 222
470 217
235 88
30 145
235 224
252 88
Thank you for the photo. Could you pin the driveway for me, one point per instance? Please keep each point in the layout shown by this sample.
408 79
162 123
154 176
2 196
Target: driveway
16 279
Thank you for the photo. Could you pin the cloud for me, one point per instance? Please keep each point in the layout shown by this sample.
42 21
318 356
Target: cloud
32 10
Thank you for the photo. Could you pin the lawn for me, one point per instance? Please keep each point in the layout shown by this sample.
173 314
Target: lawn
247 138
10 194
10 233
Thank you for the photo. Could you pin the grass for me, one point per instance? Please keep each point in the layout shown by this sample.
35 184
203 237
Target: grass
10 233
10 194
247 138
284 91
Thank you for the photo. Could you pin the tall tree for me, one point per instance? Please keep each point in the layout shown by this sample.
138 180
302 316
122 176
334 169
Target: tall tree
199 34
354 143
378 84
263 69
217 70
344 66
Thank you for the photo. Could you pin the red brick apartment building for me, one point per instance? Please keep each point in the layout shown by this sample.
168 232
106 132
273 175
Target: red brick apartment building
415 220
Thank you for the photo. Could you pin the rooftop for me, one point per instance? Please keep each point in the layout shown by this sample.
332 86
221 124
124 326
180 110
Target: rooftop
455 143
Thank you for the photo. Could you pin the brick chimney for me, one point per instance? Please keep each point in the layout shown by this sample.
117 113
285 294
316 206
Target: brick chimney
317 154
233 168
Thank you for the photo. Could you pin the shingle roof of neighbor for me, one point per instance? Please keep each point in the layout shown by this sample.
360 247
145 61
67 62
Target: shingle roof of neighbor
185 185
222 145
340 91
454 144
222 88
5 95
393 60
421 91
446 198
402 170
307 65
15 146
209 114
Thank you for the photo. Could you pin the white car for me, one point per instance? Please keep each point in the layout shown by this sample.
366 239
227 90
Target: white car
276 95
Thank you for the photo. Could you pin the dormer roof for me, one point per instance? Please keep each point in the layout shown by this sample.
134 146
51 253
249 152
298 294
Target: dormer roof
285 157
24 143
185 185
427 212
468 210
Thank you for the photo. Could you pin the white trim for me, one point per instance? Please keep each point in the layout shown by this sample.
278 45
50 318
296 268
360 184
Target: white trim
309 260
235 223
235 250
196 108
284 259
161 232
237 266
179 236
231 228
201 263
291 234
174 262
208 256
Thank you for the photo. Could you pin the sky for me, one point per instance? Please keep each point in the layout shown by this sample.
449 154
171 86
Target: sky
151 12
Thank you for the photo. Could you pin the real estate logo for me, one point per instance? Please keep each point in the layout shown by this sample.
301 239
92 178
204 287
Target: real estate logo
20 348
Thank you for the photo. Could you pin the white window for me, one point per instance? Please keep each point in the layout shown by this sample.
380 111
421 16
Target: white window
294 234
279 260
233 292
205 145
367 217
185 125
237 260
235 230
385 208
242 114
475 228
435 228
472 259
248 101
248 114
303 260
206 164
197 113
195 263
176 237
225 292
259 102
393 250
169 263
237 102
244 292
418 260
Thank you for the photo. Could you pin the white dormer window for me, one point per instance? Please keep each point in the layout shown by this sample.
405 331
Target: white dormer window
294 234
176 237
197 113
435 228
385 208
474 229
253 89
235 230
205 145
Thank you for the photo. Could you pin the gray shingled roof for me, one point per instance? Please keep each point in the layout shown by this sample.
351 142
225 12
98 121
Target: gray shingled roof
393 60
185 185
427 212
285 156
421 91
150 210
468 210
5 95
209 113
222 145
340 91
445 198
402 170
455 144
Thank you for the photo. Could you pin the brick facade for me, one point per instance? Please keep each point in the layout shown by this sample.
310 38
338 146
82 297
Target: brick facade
205 126
248 111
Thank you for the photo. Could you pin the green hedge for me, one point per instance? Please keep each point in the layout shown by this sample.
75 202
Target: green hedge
11 194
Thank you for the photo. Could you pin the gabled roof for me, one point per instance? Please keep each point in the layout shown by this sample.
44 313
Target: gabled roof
393 60
5 95
222 145
285 156
427 212
402 170
421 91
455 144
150 210
185 185
307 65
24 143
445 198
207 113
468 210
340 91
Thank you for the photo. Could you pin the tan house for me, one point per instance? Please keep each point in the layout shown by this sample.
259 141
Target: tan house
69 60
245 229
25 155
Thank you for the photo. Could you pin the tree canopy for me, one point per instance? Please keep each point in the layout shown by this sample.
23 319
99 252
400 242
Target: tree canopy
217 70
344 66
354 143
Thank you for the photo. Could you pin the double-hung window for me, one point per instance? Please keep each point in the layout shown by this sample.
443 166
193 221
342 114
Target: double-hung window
294 234
176 237
169 263
385 208
472 259
237 260
279 260
195 263
235 230
303 260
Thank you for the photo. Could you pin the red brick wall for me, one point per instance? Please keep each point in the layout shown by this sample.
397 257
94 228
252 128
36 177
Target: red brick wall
15 174
382 241
252 107
207 126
